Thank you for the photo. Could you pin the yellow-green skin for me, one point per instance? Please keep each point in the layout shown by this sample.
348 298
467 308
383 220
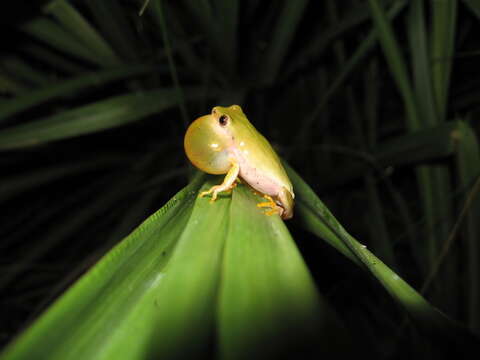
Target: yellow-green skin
225 142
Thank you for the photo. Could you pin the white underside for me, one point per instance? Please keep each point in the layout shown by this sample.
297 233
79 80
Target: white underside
257 178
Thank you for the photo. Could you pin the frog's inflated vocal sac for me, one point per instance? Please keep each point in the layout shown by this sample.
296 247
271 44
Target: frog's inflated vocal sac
225 142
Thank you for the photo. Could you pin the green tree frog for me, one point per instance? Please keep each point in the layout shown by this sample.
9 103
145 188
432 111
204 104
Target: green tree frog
225 142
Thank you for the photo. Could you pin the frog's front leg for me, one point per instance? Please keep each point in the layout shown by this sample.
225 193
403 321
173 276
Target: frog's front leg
227 184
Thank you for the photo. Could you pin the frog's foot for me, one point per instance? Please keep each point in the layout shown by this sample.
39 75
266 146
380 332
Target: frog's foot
227 185
274 208
214 190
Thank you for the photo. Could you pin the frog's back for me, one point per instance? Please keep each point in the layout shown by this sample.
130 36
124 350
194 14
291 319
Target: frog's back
260 165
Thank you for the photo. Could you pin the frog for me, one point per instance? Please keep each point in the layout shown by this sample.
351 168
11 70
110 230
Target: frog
226 142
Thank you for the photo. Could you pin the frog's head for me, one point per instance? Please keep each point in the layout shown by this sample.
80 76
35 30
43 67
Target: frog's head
209 137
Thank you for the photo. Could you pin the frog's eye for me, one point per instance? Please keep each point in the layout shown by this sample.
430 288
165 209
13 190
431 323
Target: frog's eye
223 120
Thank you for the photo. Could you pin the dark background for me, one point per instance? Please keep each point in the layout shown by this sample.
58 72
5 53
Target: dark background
64 203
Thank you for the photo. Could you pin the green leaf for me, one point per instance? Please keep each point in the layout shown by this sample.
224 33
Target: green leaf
444 14
115 303
381 240
267 293
419 146
15 184
158 10
315 48
227 26
433 182
116 27
67 87
23 71
190 267
218 22
57 61
282 35
106 114
49 32
365 46
422 75
395 61
474 6
468 168
76 25
316 217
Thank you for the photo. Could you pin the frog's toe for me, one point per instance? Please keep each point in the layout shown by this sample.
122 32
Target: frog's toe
213 190
274 208
278 210
204 193
214 196
268 204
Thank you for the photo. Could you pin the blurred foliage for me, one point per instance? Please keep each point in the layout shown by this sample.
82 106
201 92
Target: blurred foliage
373 102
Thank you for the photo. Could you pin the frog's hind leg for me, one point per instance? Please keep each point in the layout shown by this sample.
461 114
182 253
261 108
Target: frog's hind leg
286 199
274 208
227 184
